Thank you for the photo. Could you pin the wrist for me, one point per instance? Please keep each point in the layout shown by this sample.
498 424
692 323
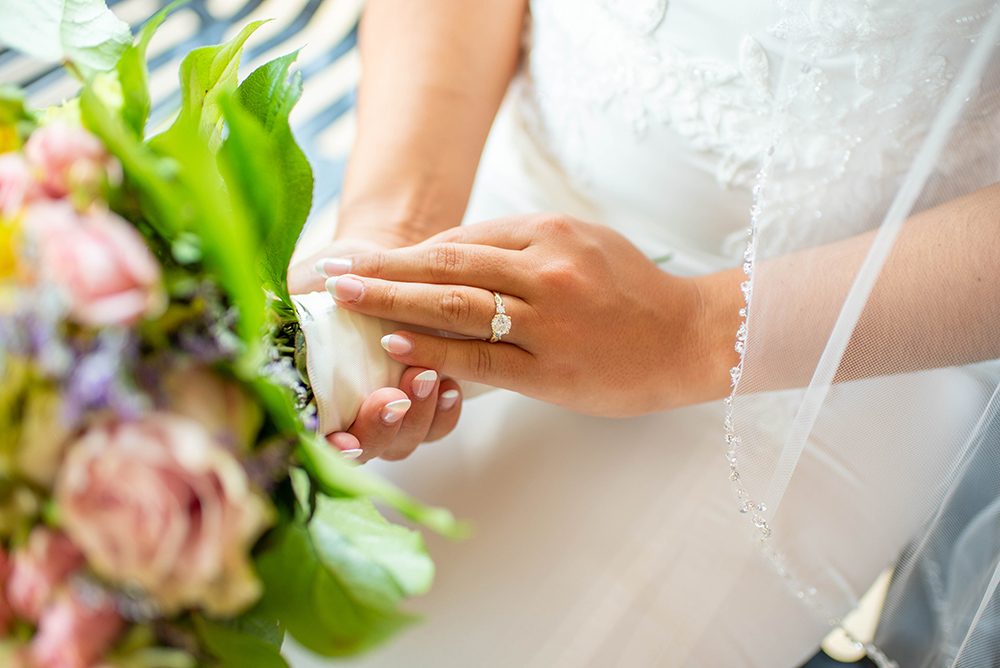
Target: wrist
715 330
396 220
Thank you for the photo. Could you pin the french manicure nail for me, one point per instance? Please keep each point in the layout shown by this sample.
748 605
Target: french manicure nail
395 344
394 411
351 454
447 399
345 288
423 383
333 266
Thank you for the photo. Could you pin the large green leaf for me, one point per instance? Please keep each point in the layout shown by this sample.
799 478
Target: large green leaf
134 74
183 192
319 609
381 563
237 646
336 477
264 162
165 204
207 75
84 32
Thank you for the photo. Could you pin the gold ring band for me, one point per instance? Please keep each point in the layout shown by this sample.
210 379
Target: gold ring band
501 321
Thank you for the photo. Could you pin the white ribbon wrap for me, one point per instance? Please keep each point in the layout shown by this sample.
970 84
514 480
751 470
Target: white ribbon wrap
345 359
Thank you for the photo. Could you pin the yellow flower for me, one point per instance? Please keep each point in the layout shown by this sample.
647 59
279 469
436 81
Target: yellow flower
8 139
8 248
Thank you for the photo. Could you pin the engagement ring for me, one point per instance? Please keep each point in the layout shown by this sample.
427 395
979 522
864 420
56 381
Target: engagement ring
501 321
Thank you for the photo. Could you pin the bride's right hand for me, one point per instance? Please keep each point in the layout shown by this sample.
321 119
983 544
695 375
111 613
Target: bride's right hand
392 421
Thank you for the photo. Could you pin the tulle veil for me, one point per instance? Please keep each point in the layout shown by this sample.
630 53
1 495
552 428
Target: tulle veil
920 445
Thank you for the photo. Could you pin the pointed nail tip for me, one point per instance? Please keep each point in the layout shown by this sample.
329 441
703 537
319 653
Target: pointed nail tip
320 268
385 339
351 455
449 394
429 375
399 404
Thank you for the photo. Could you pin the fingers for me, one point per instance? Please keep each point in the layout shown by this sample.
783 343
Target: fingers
310 274
378 431
378 422
421 386
496 364
449 408
452 308
511 232
451 263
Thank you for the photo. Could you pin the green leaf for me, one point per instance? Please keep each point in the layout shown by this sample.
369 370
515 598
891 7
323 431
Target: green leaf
84 32
207 75
183 192
336 477
319 610
15 121
302 488
240 646
12 105
268 167
381 563
134 74
154 177
269 94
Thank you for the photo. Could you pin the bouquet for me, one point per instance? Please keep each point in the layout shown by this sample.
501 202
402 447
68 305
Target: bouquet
164 500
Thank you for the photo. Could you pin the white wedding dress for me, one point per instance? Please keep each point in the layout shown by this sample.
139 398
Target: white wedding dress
618 543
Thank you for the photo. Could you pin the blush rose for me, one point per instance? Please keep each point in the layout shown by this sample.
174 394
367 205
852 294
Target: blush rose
98 260
159 503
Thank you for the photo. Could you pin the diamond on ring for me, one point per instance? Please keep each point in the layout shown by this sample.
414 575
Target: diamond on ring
501 321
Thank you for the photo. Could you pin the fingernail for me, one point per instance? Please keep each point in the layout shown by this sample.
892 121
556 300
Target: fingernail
351 454
447 399
345 288
423 383
395 344
333 266
394 411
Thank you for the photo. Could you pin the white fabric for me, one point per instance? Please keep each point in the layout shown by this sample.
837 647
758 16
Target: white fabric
345 359
618 542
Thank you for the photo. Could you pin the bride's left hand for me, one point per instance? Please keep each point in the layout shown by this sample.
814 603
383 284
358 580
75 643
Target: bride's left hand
596 327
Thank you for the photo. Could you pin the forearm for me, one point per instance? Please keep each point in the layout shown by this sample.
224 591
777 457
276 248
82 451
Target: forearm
936 302
434 74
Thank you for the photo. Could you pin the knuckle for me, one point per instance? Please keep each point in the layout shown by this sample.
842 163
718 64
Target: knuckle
445 261
560 274
482 363
390 296
373 265
557 225
455 306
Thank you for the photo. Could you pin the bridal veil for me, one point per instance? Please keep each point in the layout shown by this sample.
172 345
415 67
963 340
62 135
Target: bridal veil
902 432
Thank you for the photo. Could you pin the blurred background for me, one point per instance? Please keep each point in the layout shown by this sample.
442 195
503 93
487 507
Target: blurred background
326 33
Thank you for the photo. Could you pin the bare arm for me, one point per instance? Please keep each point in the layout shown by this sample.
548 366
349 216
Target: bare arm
434 75
936 302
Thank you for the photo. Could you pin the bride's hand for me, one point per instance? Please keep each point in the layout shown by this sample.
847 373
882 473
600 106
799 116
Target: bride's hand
595 326
391 422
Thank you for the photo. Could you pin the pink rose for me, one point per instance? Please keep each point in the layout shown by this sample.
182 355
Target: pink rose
67 159
17 186
100 261
6 614
74 632
158 502
38 569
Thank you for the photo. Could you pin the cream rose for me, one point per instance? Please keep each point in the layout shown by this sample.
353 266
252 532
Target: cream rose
159 503
99 261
